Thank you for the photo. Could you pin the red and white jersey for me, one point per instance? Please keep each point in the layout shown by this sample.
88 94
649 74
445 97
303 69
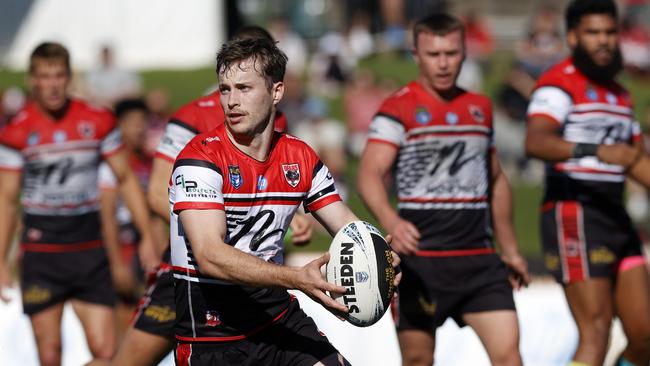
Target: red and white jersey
586 112
442 167
201 115
259 200
59 160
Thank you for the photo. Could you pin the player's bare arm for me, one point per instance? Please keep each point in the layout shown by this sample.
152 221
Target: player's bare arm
206 230
376 162
9 193
503 225
135 201
120 271
543 141
301 229
157 194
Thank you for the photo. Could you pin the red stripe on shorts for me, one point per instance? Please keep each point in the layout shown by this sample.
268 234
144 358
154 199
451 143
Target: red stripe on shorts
183 354
570 231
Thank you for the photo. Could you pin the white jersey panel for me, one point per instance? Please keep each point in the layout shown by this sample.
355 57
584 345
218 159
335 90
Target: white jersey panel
386 129
10 158
550 101
111 143
174 140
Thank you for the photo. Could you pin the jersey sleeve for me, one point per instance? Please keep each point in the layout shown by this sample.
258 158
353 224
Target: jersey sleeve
551 102
196 182
322 191
386 126
636 131
177 134
111 143
105 177
11 157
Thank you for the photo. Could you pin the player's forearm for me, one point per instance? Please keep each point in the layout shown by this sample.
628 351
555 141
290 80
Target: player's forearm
157 194
502 213
8 213
548 147
134 198
110 231
227 263
640 171
374 196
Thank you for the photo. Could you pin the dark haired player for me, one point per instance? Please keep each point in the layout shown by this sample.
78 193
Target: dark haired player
580 120
452 196
51 152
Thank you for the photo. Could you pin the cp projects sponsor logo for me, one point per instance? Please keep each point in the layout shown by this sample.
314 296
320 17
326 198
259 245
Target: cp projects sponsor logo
192 189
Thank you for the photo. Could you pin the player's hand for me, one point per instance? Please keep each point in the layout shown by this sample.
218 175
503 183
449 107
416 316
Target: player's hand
149 258
406 236
396 261
301 230
5 282
123 278
619 154
519 267
310 281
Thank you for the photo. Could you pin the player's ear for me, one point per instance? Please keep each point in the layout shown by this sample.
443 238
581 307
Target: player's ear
572 38
277 91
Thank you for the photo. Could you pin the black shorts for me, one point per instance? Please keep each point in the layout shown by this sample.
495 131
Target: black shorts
51 278
434 289
156 310
293 341
582 241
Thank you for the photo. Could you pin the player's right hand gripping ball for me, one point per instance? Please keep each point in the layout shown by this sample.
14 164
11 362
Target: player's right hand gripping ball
361 261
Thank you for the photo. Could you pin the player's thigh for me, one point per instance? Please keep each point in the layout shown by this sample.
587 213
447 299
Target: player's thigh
417 347
46 325
142 348
591 303
98 322
498 330
632 299
333 360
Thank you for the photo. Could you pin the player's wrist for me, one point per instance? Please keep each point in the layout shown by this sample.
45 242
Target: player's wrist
581 150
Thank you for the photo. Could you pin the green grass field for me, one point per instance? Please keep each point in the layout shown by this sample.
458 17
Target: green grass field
186 85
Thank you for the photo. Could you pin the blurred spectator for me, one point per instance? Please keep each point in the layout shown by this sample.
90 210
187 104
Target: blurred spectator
635 46
328 68
361 100
13 100
157 100
292 101
478 39
327 137
291 43
109 83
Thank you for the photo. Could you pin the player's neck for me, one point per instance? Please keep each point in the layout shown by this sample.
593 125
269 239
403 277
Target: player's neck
441 95
257 146
56 114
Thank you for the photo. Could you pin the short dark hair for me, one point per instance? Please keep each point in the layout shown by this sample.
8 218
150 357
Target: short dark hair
439 24
252 31
272 62
125 106
50 51
580 8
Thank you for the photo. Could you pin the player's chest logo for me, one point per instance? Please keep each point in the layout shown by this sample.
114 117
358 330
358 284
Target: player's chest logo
86 129
234 174
291 174
477 113
451 118
422 115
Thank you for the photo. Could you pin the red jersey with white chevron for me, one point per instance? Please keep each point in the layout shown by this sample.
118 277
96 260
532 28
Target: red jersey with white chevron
198 116
586 112
442 167
259 199
59 160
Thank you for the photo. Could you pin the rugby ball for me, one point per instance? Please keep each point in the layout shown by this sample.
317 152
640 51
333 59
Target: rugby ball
361 261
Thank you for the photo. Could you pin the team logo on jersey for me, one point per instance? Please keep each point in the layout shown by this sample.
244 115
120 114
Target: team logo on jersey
451 118
592 94
33 139
422 115
59 136
477 113
86 129
291 174
212 318
262 183
34 234
235 176
611 98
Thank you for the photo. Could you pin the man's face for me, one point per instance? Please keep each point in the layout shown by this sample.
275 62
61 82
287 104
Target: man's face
247 99
133 125
439 59
49 82
597 35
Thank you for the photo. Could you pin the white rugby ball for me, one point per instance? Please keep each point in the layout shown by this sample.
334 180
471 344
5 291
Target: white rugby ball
361 261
